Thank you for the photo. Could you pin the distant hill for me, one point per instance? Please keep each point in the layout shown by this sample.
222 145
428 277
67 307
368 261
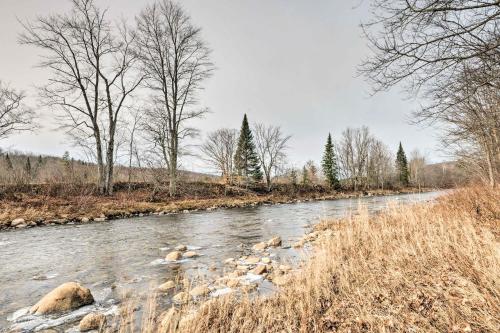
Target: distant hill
25 168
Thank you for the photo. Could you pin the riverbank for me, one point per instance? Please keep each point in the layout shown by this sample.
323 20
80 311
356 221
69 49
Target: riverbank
428 268
40 206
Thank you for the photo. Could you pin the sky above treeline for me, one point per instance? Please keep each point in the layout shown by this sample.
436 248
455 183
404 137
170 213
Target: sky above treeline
288 63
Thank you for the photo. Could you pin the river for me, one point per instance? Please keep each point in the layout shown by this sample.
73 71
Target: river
113 256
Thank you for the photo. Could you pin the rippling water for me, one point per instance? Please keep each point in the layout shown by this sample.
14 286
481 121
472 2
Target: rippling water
127 254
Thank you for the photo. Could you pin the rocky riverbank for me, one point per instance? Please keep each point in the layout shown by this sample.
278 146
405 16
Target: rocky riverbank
73 306
32 210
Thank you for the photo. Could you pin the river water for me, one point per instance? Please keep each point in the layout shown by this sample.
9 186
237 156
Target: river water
114 256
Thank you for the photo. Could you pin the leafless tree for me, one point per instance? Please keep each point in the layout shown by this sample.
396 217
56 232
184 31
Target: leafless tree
219 148
92 75
421 41
176 61
467 108
353 153
15 116
132 144
416 165
271 145
310 172
449 53
380 164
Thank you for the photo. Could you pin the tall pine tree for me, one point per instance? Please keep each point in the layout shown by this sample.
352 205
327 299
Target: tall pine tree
329 164
27 169
246 160
402 166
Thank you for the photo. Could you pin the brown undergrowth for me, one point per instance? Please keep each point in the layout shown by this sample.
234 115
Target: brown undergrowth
423 268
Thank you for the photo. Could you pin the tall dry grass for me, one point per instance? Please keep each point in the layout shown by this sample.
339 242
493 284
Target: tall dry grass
424 268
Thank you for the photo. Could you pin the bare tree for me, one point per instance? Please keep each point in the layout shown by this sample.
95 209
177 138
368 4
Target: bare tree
132 144
449 53
470 113
176 61
416 167
380 164
422 41
270 144
15 116
92 75
353 153
310 172
219 148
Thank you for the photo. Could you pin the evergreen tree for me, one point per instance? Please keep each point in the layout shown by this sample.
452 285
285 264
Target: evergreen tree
329 164
402 166
8 162
246 160
293 176
27 168
305 175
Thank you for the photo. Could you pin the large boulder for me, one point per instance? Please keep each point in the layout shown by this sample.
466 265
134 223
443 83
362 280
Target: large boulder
92 321
66 297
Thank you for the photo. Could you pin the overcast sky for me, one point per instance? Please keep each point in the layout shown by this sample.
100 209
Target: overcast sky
283 62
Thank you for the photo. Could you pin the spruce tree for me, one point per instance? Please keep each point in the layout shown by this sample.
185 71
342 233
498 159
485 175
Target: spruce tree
305 175
402 166
293 176
27 168
246 160
329 164
8 162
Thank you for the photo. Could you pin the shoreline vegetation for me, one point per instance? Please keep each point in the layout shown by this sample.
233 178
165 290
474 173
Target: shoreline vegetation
424 268
41 205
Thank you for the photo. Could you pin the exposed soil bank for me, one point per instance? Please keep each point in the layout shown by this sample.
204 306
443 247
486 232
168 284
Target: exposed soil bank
39 205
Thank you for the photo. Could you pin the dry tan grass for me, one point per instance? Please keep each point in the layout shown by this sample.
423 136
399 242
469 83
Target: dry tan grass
425 268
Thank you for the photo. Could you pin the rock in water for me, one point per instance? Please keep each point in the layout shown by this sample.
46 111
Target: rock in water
166 286
260 246
190 254
66 297
266 260
181 247
199 291
92 321
275 241
173 256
